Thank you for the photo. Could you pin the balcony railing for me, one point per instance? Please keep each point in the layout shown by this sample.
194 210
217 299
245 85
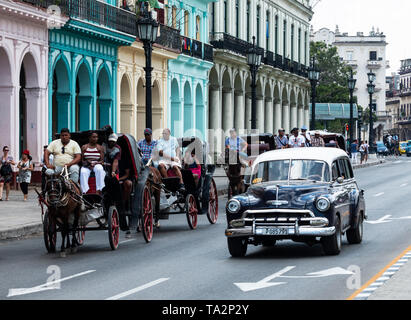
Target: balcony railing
287 64
278 61
93 11
169 38
208 52
225 41
197 49
186 46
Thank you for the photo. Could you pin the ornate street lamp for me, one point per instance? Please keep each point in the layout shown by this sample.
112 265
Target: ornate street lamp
147 31
371 90
351 87
359 124
254 61
314 77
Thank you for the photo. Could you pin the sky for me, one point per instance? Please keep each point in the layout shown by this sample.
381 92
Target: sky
391 17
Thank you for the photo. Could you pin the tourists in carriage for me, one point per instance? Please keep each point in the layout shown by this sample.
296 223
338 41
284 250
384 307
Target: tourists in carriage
92 161
147 145
192 163
67 153
236 146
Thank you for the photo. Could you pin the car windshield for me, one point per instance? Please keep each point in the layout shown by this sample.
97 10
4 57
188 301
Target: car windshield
291 170
403 144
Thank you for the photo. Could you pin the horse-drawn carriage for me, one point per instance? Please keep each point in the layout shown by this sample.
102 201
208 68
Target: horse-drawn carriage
196 198
68 211
238 166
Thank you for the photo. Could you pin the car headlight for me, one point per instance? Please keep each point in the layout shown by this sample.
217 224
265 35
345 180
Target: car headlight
323 204
233 206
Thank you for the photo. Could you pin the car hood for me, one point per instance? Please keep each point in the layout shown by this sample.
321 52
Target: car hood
288 196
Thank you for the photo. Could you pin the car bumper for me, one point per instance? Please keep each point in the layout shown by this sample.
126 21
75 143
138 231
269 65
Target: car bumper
294 230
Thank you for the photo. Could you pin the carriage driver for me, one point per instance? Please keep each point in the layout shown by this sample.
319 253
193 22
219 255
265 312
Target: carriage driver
66 152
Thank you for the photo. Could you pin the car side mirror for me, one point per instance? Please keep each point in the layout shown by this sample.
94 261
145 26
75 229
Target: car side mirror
340 180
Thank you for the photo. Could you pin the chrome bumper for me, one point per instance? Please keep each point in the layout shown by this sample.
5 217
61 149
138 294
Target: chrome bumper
317 229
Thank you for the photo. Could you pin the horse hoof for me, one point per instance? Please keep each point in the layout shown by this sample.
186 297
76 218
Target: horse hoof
74 250
62 254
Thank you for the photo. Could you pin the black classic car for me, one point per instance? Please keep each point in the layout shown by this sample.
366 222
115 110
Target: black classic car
306 195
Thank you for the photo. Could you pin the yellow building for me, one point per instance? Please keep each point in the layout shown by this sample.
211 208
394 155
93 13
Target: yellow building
131 83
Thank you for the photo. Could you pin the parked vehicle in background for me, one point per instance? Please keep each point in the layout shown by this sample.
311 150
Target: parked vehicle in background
332 140
382 150
402 148
408 148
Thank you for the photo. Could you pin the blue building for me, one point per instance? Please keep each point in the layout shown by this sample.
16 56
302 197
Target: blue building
188 74
83 64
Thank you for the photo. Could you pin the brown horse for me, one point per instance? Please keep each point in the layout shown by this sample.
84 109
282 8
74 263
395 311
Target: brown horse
156 181
64 201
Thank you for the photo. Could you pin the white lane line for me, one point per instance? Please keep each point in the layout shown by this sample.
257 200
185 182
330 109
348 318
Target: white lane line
135 290
47 286
404 185
363 295
125 241
379 194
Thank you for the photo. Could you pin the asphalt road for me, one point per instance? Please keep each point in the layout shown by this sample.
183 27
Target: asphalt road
185 264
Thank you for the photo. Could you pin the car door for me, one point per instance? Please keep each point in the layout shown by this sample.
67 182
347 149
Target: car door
347 188
339 190
354 191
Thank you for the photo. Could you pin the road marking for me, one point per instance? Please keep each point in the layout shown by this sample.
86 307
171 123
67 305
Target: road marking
380 220
125 241
44 287
379 194
138 289
370 282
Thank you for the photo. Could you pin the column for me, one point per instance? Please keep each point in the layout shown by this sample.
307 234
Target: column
72 111
247 111
85 112
94 94
33 120
286 117
260 113
239 111
228 109
300 116
269 119
307 116
277 116
214 108
7 130
293 115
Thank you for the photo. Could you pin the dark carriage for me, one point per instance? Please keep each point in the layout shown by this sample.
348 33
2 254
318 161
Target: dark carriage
237 171
201 198
108 210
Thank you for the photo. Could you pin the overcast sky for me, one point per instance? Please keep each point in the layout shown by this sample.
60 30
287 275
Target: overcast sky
391 17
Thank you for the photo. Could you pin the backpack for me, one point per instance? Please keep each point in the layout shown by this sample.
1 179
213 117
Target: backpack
6 170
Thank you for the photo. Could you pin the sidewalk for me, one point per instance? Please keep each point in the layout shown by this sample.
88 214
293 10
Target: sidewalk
19 219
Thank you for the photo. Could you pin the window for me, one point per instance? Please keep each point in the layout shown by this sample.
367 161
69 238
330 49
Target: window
292 42
212 17
186 23
276 35
345 169
285 39
350 55
373 55
198 28
299 45
267 31
237 18
258 26
335 171
305 48
248 21
225 17
174 17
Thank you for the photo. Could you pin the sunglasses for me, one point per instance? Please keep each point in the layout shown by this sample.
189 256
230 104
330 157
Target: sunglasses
63 150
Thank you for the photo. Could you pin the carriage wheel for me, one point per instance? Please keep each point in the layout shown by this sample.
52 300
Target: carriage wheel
50 233
147 216
80 235
113 227
212 213
191 211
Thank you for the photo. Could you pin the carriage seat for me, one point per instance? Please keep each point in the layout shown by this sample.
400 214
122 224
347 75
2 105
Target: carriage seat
172 183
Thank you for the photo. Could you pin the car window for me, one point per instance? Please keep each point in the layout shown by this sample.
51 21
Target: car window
348 169
335 172
342 168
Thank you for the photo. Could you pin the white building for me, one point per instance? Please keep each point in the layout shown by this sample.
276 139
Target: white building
363 53
282 31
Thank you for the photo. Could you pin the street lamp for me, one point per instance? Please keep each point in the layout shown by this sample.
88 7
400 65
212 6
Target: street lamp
147 30
359 124
351 87
371 89
254 61
314 77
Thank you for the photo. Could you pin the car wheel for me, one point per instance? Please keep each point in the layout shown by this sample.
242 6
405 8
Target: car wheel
354 235
237 246
332 244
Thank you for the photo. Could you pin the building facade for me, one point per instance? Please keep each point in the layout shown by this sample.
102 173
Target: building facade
281 29
364 53
24 31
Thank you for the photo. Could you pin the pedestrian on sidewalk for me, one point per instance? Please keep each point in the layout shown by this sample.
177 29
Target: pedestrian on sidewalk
366 149
25 167
354 151
6 172
362 151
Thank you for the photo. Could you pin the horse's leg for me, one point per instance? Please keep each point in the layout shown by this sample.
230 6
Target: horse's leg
74 242
63 240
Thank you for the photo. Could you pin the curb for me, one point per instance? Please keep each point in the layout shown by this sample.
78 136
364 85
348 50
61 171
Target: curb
20 232
366 165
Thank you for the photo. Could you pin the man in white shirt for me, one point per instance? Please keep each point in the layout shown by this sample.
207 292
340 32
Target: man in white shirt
306 136
166 153
296 140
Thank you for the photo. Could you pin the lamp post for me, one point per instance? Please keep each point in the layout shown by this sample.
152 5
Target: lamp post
359 124
314 77
371 89
351 87
254 61
147 30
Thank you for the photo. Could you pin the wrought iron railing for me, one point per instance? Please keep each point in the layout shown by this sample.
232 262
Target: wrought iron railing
278 61
269 59
208 52
186 46
197 49
221 40
169 38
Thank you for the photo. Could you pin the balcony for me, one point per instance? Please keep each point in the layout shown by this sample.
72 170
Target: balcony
197 49
194 48
374 64
269 59
352 63
287 65
93 11
278 61
225 41
208 53
169 38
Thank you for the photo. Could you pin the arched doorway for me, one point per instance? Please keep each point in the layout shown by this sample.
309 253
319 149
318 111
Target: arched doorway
200 113
22 111
60 97
277 109
214 111
227 103
293 109
84 113
239 109
188 110
126 107
6 126
141 108
158 115
286 111
104 113
268 110
175 108
260 107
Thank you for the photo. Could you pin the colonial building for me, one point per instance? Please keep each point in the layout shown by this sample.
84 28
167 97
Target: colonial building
364 53
23 76
404 95
281 29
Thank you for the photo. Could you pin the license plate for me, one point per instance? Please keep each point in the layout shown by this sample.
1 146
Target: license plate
272 231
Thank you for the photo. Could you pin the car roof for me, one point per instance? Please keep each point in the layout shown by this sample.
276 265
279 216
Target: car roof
325 154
